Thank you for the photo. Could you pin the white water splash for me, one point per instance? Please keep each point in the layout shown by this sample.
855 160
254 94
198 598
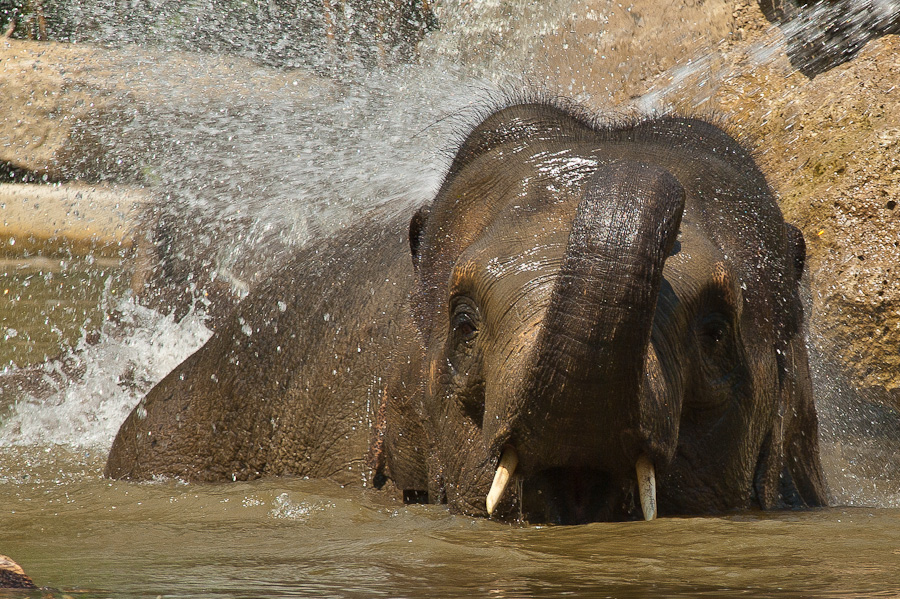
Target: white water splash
284 508
100 383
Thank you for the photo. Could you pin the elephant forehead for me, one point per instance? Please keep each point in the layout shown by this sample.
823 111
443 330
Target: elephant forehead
512 267
526 191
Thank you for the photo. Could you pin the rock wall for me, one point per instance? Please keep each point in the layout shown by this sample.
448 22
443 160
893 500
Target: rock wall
52 113
598 50
831 146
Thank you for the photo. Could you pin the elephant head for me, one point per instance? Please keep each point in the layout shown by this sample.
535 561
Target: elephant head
608 326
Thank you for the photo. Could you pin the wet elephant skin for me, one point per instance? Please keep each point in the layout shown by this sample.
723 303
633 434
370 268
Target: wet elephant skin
583 306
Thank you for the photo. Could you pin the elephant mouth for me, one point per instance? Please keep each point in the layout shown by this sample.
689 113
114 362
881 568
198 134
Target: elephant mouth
578 495
573 496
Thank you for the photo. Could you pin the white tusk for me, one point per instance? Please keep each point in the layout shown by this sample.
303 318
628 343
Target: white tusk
646 478
509 459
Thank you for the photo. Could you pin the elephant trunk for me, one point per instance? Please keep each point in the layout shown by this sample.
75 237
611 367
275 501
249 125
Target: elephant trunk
583 401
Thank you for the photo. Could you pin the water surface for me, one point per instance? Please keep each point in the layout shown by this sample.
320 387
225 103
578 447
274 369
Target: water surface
87 536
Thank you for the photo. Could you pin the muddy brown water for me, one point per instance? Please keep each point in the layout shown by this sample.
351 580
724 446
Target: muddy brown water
47 305
84 536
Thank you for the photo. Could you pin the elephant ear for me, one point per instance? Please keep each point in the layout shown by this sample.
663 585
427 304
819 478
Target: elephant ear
398 448
417 233
797 248
801 422
803 482
789 473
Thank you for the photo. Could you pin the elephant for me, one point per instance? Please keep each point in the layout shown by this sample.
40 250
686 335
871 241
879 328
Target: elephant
592 320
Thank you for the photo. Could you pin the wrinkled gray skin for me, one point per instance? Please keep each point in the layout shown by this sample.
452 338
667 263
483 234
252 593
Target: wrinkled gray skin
584 294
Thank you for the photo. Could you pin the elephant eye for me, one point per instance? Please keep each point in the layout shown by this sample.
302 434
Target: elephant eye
463 357
719 348
465 328
464 322
714 329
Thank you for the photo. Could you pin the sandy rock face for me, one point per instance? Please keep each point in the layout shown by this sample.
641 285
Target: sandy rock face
82 112
604 49
841 184
82 219
12 576
124 122
831 148
50 115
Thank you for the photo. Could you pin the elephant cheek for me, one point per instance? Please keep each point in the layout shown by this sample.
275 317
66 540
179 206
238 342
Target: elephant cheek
433 378
660 409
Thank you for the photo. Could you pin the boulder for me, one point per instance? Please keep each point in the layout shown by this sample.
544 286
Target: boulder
106 124
75 219
12 576
51 114
80 112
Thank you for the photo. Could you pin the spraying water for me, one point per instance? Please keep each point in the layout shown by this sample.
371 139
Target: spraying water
243 162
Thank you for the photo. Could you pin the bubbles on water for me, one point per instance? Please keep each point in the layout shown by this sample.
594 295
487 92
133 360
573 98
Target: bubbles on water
251 502
285 508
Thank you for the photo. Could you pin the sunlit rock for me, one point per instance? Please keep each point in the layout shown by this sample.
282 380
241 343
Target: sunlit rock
70 219
604 51
12 576
831 147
